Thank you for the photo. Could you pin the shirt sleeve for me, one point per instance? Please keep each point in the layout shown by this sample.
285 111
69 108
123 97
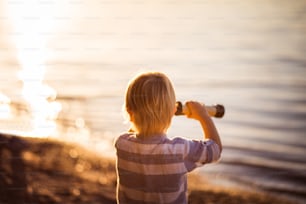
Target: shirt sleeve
201 152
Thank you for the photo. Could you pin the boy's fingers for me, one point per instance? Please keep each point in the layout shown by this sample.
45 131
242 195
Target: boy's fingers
189 104
188 107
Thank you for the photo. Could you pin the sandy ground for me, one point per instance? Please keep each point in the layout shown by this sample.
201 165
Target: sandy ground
34 171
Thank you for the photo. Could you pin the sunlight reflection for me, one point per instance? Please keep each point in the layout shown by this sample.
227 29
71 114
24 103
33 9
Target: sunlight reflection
5 110
31 21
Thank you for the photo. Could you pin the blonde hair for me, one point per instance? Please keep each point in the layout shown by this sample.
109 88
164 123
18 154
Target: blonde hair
150 101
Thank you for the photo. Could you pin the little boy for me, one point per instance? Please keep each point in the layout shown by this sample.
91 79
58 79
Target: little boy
152 168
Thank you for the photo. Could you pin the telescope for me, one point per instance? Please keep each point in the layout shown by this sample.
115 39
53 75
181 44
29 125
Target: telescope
214 110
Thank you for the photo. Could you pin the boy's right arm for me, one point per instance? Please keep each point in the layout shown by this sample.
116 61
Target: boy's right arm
198 112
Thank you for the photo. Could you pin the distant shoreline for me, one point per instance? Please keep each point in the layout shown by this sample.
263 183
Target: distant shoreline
48 171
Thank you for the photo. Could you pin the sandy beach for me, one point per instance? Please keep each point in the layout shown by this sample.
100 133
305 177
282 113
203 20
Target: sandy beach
50 171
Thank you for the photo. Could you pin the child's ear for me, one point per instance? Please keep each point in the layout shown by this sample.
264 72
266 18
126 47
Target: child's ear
131 115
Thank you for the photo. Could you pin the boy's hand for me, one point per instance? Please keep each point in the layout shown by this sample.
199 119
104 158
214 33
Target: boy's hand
197 110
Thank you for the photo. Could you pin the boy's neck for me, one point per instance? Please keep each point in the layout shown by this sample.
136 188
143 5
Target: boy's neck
150 136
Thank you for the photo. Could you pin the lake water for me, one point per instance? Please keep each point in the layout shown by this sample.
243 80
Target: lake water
248 56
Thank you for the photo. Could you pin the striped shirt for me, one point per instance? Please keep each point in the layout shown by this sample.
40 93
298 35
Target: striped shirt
154 169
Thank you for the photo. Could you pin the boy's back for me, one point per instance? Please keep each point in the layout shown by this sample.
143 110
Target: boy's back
153 169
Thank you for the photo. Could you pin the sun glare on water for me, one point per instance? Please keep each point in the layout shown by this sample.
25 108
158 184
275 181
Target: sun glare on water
32 21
